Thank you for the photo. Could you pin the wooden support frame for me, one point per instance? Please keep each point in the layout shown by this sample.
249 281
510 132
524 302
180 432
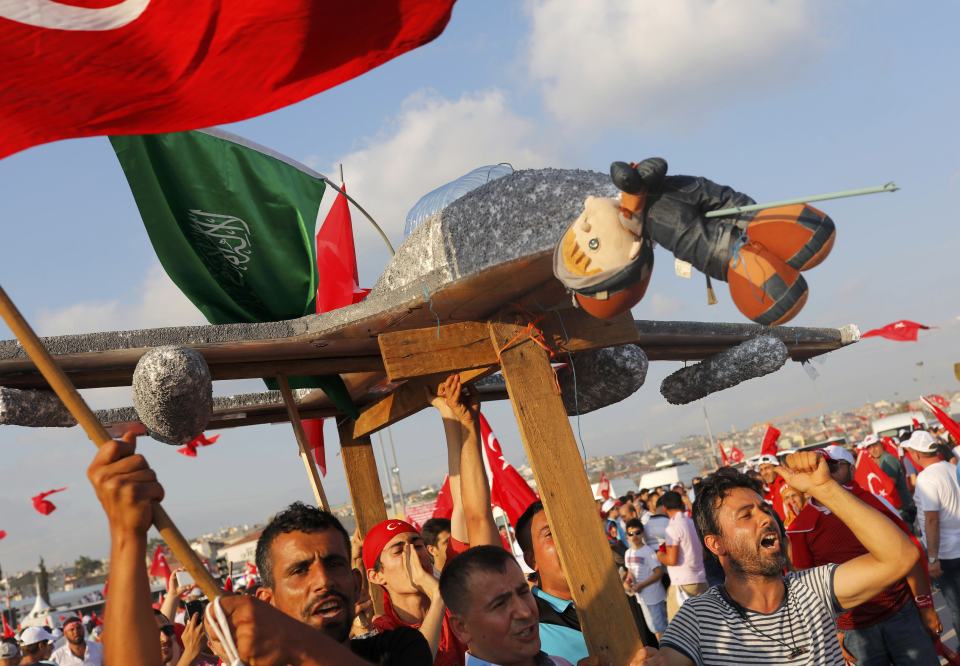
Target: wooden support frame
309 464
466 345
548 440
360 467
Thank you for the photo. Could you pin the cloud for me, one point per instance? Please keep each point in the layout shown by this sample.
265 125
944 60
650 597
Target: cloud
157 302
432 141
645 62
664 307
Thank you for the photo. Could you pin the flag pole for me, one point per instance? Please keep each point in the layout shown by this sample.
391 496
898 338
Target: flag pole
76 405
308 462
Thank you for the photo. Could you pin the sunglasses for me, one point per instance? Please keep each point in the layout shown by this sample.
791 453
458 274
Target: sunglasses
167 630
634 533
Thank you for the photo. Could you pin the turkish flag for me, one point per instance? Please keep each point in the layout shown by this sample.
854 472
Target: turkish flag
228 584
3 534
724 461
190 448
508 489
736 455
603 487
158 565
938 400
97 67
900 331
42 504
948 423
870 477
769 445
7 631
444 505
890 447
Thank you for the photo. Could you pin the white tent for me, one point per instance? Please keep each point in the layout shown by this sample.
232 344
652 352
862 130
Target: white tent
41 614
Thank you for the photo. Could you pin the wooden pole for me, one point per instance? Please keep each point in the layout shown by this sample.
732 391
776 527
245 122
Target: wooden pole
73 401
313 474
548 440
360 467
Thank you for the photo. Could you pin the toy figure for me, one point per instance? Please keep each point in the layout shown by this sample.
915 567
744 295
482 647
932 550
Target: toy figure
605 257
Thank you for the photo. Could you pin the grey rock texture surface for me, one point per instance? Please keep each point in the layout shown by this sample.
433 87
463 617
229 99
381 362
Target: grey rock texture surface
754 358
35 409
173 393
603 377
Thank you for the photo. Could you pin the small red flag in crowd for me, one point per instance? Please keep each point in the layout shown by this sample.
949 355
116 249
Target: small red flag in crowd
899 331
228 584
948 423
190 448
870 477
938 400
723 455
43 505
159 566
736 455
769 445
3 534
508 490
7 631
444 506
603 487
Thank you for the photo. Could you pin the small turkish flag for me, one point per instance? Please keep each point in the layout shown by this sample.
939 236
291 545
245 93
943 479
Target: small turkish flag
159 566
190 448
900 331
870 477
43 505
603 487
228 584
736 455
508 490
3 534
724 461
444 506
769 445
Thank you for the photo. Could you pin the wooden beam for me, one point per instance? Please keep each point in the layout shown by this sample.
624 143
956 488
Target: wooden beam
571 511
309 464
466 345
406 400
366 494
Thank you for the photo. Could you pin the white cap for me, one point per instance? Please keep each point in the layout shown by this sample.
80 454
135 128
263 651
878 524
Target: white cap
9 650
608 504
32 635
869 440
838 453
921 441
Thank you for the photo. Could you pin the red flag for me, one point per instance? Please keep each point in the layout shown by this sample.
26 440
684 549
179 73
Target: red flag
870 477
313 429
444 506
900 331
769 445
890 447
7 631
159 566
228 584
736 455
508 489
724 461
3 534
190 448
603 487
938 400
74 70
43 505
948 423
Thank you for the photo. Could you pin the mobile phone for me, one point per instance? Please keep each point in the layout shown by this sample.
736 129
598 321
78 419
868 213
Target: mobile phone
184 578
192 608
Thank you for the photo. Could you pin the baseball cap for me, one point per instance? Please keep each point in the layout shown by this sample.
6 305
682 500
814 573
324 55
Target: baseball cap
837 453
9 650
32 635
379 536
921 441
869 440
609 504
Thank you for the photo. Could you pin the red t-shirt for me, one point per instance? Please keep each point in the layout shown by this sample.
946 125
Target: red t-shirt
818 537
773 497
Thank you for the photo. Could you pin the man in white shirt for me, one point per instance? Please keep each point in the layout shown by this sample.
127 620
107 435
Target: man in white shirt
644 579
77 651
938 503
682 553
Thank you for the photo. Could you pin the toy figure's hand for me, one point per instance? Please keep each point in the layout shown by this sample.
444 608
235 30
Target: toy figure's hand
636 178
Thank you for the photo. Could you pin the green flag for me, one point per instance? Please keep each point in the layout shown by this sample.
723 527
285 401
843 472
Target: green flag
232 224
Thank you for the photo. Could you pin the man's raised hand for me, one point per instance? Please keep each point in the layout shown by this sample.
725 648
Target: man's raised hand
806 471
125 486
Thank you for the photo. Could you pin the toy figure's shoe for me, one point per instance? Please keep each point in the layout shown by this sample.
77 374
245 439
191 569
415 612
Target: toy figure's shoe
800 235
763 287
635 178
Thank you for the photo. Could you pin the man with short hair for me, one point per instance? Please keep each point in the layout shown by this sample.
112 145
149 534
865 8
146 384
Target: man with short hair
644 576
302 613
682 554
938 498
36 644
759 615
436 535
78 651
887 628
9 652
893 469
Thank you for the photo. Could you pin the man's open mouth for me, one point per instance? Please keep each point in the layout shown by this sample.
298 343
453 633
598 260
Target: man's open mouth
329 608
770 542
527 633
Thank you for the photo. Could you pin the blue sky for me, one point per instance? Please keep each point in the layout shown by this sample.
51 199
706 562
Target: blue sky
778 99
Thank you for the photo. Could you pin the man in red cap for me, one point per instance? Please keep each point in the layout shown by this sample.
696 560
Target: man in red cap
395 555
888 627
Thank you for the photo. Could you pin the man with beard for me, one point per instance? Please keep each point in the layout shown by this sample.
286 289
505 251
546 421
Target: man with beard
758 614
78 651
888 627
302 614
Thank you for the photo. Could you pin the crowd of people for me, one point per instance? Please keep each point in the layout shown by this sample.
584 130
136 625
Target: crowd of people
786 562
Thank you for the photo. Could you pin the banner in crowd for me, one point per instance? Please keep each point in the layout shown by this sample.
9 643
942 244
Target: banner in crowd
146 66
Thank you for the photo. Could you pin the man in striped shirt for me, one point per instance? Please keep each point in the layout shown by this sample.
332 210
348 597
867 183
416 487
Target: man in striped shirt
760 616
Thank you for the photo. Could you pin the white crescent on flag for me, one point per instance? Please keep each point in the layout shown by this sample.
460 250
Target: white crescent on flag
58 16
878 488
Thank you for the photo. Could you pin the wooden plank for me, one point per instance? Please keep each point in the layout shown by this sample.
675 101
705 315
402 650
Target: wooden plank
306 455
360 466
406 400
562 482
466 345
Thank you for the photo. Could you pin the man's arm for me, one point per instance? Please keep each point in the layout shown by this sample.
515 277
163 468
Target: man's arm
670 555
931 528
453 436
890 554
423 580
651 579
127 489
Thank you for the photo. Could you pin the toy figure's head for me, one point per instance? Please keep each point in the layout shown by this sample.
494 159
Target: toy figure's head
603 260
